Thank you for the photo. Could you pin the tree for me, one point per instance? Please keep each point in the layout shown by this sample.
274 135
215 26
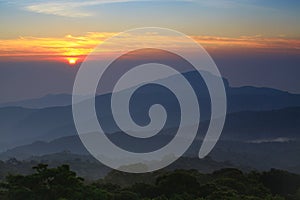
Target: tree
281 182
47 184
178 182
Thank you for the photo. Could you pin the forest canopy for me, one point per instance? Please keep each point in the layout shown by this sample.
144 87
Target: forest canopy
61 183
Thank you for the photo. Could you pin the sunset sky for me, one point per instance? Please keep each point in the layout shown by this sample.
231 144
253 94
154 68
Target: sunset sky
246 38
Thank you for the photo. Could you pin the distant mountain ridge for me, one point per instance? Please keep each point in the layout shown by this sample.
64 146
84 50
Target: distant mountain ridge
253 114
50 100
281 155
23 126
256 118
239 98
88 167
249 138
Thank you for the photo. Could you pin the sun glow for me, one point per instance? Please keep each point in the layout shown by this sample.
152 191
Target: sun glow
72 61
72 49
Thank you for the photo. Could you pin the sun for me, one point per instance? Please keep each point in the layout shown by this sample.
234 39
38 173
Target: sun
72 61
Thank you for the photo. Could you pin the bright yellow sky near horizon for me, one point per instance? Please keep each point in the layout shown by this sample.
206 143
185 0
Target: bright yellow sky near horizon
57 30
58 49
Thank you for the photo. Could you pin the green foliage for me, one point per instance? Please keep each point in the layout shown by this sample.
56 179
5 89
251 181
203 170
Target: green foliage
47 184
126 195
146 190
178 182
61 183
127 179
281 182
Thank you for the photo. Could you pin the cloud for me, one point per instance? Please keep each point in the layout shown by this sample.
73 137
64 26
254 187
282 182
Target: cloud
65 8
277 140
68 8
77 8
257 43
53 48
60 9
60 47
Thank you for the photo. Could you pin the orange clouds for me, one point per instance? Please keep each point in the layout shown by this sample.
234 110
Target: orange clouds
253 43
50 48
34 48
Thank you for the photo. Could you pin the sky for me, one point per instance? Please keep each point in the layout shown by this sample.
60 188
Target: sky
225 18
247 38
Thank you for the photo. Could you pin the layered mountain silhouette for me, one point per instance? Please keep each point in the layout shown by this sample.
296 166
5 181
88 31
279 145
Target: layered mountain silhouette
50 100
239 98
262 155
261 124
20 125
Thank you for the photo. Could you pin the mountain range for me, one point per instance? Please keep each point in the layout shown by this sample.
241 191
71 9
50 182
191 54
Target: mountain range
261 124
